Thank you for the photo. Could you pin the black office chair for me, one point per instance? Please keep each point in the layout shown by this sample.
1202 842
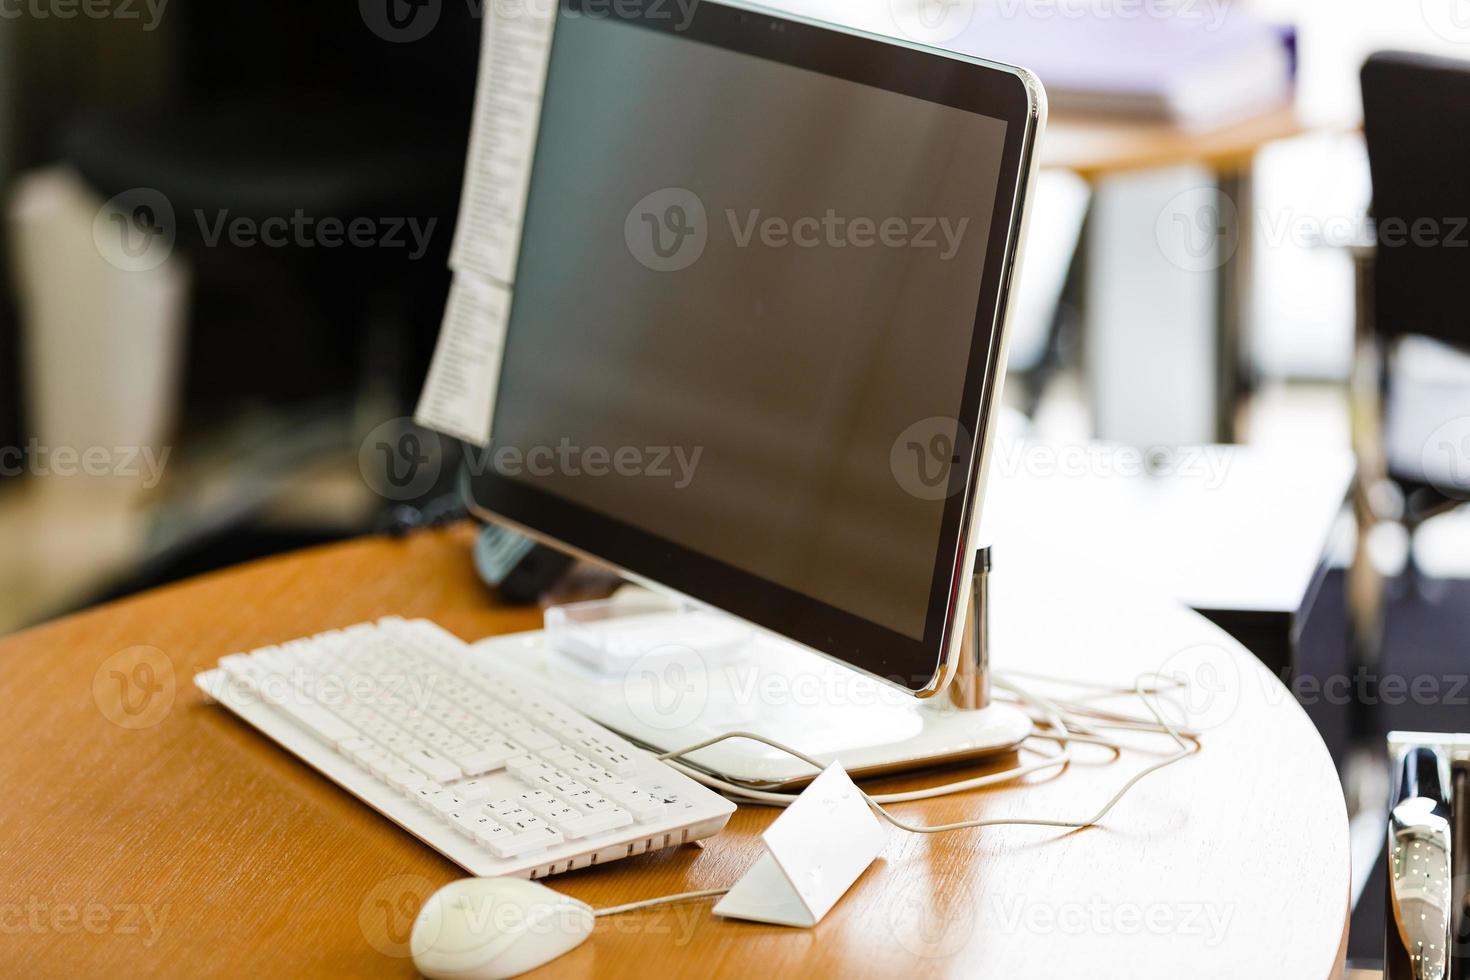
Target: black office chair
1416 114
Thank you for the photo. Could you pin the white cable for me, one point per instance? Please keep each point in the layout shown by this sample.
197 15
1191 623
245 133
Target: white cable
1066 726
786 799
1188 744
664 900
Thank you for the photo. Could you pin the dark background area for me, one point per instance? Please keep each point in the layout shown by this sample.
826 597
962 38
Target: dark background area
256 110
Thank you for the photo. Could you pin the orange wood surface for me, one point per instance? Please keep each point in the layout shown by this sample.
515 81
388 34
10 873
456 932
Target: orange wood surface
1097 146
160 836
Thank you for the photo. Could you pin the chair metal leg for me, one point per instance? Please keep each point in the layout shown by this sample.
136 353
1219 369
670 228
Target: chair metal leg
1365 584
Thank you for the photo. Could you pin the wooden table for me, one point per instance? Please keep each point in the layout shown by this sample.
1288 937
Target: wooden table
1102 147
147 832
1098 146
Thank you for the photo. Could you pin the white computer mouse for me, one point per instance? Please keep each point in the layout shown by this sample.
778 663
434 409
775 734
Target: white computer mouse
490 928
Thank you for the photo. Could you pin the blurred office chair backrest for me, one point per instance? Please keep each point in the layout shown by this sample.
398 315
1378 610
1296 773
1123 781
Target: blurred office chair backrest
1409 422
315 50
1416 114
280 108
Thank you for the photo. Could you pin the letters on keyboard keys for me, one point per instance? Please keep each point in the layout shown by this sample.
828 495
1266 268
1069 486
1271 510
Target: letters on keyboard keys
506 779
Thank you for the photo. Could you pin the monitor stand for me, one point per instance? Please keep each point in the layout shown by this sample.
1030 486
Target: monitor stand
668 675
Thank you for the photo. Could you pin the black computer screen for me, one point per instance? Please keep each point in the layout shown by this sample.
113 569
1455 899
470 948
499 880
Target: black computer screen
744 306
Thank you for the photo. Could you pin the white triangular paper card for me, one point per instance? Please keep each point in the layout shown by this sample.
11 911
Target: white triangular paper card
814 852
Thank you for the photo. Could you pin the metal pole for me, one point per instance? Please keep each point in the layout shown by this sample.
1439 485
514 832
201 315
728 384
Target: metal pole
970 688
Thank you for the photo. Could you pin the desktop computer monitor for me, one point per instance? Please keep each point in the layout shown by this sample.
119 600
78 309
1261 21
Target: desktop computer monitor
757 333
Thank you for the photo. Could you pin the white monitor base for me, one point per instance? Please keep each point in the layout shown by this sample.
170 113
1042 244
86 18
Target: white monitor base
725 676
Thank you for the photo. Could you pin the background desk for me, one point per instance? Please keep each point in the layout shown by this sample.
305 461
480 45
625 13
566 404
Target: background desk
1141 300
1101 146
197 847
1132 273
1241 534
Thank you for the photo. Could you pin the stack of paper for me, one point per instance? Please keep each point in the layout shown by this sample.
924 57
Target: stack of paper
459 394
1196 63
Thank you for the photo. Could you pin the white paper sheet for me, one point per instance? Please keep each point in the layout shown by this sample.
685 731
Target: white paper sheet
514 54
515 47
459 394
815 850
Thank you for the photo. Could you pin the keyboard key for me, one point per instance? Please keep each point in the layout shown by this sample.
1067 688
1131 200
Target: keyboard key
580 799
326 726
434 766
407 782
510 768
583 766
559 755
596 823
561 816
510 815
427 791
643 806
519 844
614 760
524 823
532 738
446 801
465 821
475 790
603 782
348 746
479 820
539 801
488 759
493 836
381 763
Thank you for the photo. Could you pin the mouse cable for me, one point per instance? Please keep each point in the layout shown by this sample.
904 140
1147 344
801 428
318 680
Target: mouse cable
665 900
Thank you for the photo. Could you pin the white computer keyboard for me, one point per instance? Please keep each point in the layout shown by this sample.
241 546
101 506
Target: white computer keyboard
498 776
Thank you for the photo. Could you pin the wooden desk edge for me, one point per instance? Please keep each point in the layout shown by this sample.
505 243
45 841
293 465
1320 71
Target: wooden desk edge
435 579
